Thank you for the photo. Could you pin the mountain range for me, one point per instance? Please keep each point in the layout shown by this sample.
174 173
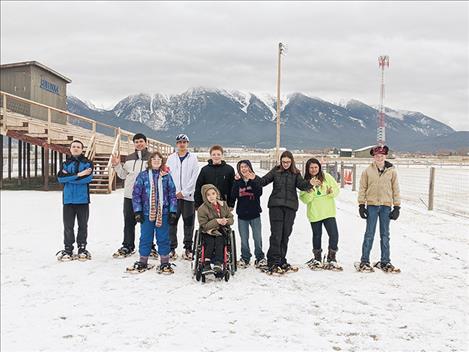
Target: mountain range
236 118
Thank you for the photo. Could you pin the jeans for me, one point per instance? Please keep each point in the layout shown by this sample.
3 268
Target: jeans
243 227
148 231
81 212
331 227
374 212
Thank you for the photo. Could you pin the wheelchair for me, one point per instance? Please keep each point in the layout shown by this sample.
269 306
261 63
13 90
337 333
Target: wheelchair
229 257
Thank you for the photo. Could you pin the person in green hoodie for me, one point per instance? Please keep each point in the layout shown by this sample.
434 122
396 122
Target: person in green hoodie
321 211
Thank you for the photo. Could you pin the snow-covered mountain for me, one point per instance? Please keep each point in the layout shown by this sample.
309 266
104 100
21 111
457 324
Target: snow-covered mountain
240 118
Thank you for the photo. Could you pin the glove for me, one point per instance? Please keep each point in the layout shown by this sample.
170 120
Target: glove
173 219
394 214
139 217
363 211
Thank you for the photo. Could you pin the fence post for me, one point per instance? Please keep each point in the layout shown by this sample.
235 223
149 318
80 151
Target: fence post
354 176
342 183
431 188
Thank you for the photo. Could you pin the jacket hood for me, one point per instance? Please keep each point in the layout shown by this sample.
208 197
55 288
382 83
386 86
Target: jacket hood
247 162
207 187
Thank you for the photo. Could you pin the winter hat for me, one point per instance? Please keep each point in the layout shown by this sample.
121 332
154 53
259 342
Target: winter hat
380 149
182 137
247 162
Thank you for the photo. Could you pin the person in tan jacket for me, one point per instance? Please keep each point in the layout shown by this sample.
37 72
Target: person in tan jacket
215 218
379 192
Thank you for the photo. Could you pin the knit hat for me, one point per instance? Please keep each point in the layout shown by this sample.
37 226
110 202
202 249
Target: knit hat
247 162
380 149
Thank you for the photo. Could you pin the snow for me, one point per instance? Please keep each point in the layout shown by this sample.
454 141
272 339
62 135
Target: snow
95 306
269 101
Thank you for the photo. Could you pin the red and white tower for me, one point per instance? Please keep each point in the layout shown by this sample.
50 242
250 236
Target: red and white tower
381 137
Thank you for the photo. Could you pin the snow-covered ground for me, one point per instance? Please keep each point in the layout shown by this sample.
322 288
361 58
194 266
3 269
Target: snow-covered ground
96 306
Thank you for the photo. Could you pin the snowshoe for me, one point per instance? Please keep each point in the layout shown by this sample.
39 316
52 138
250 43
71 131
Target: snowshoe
260 263
187 254
273 270
363 267
166 268
64 255
314 264
123 252
173 255
387 268
139 267
332 265
243 264
83 254
288 268
154 254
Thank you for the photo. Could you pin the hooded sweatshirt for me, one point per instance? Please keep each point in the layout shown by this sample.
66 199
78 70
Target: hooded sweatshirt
248 193
208 214
221 176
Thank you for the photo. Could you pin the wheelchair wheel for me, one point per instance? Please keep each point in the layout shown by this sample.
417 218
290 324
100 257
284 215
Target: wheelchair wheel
198 275
234 255
196 253
227 276
203 278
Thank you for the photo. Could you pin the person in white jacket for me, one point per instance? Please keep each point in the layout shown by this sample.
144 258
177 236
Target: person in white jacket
184 169
134 164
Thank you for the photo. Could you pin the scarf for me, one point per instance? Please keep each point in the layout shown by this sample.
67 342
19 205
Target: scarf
156 211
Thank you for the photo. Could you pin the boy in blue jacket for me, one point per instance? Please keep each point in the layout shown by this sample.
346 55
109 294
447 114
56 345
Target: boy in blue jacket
75 174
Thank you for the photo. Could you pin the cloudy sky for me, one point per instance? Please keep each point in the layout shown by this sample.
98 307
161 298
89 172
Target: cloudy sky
113 49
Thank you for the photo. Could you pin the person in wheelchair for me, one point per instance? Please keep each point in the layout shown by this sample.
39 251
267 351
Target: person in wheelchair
215 219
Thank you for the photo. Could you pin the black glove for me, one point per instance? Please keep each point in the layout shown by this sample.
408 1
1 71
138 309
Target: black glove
394 214
363 211
139 217
173 219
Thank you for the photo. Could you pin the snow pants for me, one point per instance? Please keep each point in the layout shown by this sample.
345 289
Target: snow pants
81 212
148 231
129 225
187 210
281 226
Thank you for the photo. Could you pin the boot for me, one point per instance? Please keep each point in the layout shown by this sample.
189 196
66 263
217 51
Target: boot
331 262
316 262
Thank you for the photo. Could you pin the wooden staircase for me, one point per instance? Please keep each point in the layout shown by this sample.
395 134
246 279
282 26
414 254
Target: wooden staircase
103 175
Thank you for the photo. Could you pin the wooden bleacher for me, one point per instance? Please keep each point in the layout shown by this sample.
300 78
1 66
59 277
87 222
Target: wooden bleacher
101 140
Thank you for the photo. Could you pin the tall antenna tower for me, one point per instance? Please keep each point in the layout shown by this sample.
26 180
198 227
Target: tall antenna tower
381 136
281 51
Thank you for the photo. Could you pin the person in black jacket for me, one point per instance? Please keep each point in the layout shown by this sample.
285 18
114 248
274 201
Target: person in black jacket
283 204
217 173
248 191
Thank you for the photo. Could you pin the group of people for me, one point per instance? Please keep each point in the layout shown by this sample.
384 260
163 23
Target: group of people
159 191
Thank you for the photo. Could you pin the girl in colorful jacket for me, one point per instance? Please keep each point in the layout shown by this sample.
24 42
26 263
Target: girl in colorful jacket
155 205
321 211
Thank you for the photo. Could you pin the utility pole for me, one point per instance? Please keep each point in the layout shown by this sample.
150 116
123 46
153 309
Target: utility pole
281 50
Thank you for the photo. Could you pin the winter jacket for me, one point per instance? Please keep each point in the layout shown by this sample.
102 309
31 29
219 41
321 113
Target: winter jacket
76 189
184 173
221 176
208 216
379 189
134 164
321 205
141 193
284 187
248 193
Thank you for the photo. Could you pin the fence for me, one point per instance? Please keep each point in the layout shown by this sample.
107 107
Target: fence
437 187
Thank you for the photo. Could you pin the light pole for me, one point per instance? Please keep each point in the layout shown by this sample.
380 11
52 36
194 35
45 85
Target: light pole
281 50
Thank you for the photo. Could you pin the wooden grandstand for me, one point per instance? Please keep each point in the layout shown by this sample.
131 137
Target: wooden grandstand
20 121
